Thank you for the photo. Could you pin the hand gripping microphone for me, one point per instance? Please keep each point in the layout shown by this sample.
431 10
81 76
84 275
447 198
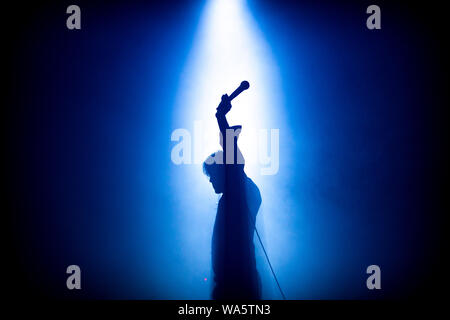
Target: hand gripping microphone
243 86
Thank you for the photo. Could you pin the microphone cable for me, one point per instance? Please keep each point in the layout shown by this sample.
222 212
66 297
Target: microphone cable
270 265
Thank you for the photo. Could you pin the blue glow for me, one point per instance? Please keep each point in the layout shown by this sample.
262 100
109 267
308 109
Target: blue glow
228 48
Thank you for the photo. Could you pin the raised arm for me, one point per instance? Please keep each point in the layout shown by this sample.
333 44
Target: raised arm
233 133
222 110
225 106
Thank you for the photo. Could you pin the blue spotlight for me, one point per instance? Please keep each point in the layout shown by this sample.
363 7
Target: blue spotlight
227 49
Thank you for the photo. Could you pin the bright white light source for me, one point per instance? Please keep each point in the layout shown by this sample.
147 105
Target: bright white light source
228 49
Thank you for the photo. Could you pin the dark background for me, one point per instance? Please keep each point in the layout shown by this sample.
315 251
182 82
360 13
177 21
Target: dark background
75 126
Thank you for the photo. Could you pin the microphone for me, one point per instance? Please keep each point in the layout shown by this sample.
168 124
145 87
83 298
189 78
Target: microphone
243 86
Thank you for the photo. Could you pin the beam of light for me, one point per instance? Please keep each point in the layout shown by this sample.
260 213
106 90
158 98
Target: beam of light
227 49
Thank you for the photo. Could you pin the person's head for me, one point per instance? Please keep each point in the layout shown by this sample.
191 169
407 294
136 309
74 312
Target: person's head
214 169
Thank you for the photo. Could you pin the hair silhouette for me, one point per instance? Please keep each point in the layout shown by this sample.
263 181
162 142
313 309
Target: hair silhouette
233 251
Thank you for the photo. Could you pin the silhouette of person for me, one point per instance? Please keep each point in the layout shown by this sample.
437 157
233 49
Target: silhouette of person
233 251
